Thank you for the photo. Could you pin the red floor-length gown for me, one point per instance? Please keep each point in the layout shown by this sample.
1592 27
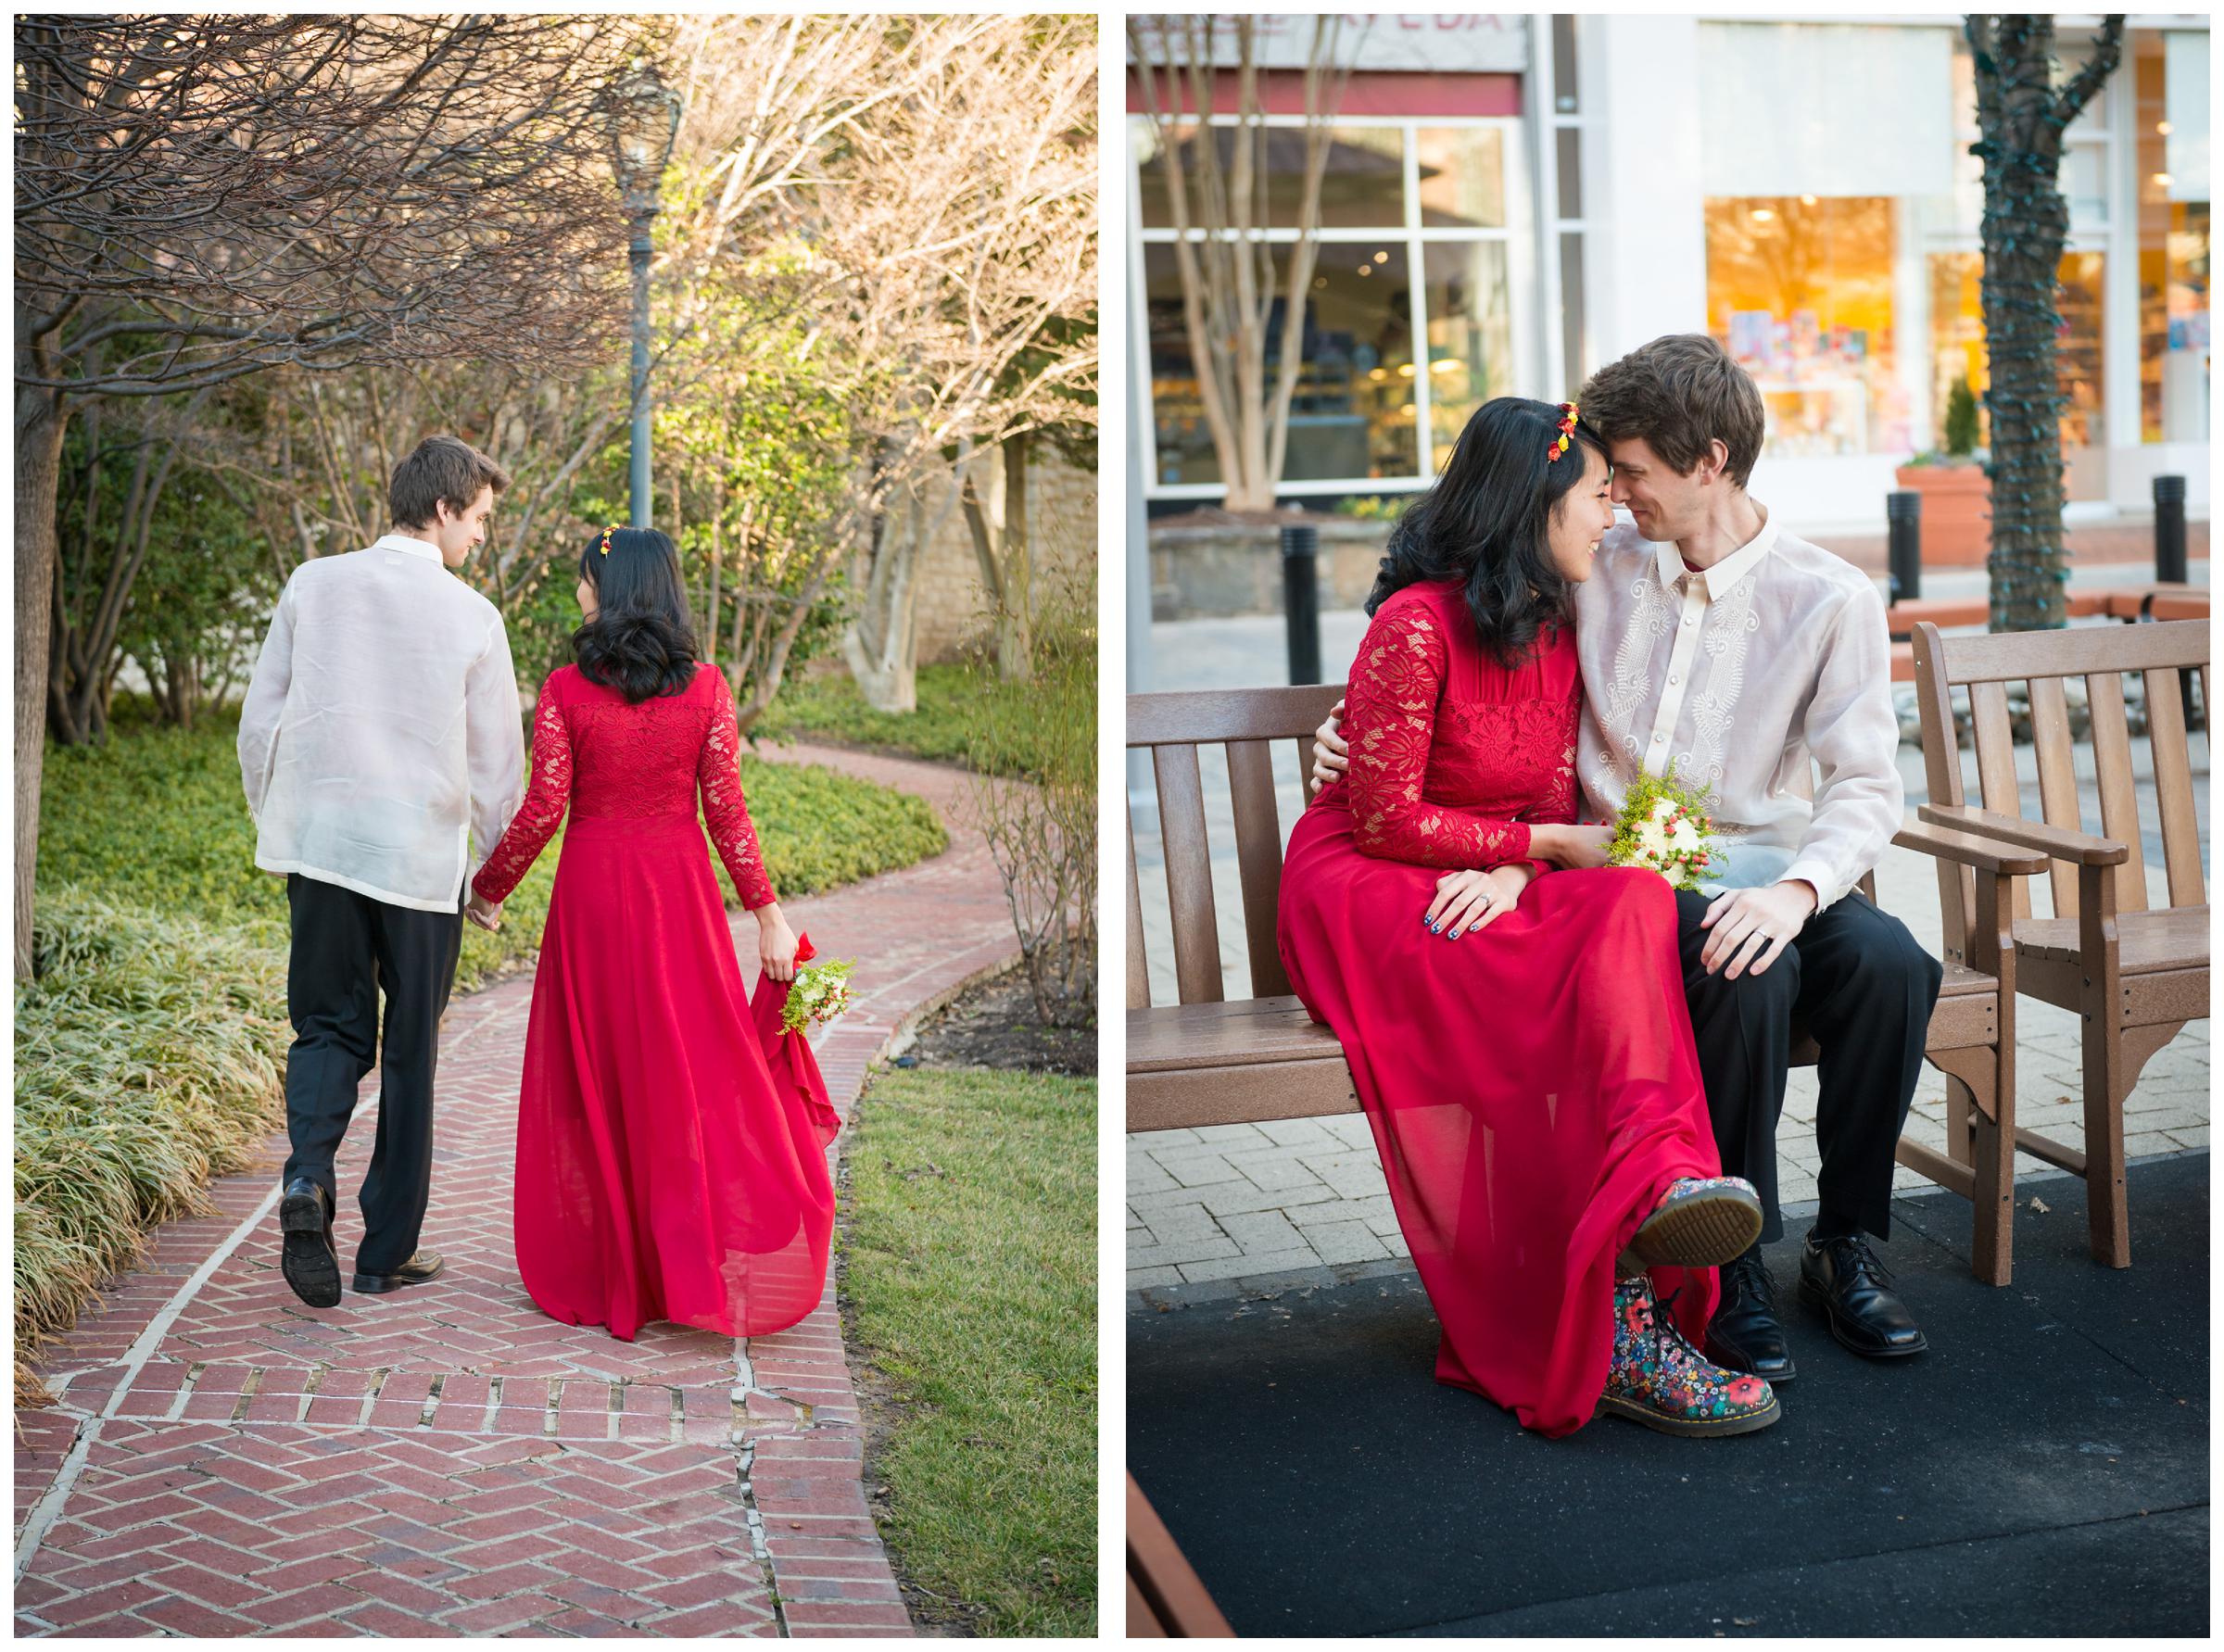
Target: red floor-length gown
1532 1086
671 1142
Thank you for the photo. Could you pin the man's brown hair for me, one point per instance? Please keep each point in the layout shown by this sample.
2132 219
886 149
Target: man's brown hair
442 468
1677 394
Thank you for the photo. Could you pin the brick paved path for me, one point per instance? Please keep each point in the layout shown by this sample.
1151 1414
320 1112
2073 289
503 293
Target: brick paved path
227 1461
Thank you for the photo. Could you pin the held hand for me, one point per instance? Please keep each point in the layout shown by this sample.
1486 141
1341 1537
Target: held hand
487 913
1330 752
1751 927
1470 900
1571 846
776 943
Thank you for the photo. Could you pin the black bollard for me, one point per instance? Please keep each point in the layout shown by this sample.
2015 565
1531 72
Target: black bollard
1903 553
1301 600
2169 530
2170 560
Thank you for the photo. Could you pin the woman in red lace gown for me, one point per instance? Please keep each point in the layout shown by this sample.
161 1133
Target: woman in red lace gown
1510 1007
671 1141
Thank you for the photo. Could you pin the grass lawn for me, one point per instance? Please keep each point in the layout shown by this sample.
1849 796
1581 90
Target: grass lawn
970 1281
830 708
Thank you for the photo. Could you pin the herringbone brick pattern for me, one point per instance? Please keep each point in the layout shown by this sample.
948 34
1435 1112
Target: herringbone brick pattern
446 1459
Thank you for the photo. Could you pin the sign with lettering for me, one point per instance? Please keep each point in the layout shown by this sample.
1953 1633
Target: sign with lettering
1419 42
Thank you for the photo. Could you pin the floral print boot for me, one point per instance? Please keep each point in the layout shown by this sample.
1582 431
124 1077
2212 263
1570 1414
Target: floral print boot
1699 1222
1661 1381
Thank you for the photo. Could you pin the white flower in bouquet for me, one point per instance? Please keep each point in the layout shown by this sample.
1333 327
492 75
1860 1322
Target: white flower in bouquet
1663 828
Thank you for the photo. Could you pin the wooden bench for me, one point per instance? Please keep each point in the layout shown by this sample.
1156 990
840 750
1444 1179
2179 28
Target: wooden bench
2135 976
1165 1597
1208 1060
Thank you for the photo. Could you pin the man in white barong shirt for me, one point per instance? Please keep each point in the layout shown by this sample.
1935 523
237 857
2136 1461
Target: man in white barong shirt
382 754
1758 665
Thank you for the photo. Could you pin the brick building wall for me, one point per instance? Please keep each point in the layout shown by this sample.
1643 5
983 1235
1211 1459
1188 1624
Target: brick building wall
1062 518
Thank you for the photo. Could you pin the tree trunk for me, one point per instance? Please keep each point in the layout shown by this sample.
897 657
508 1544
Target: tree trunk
881 646
40 422
2021 117
1000 548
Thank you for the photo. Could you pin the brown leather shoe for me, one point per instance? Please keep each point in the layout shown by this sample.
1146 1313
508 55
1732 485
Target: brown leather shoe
424 1266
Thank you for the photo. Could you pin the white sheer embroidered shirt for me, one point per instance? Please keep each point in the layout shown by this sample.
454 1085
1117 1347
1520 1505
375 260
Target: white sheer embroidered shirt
380 742
1765 679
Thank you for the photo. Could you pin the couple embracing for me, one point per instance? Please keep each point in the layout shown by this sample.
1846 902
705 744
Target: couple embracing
1584 1174
671 1138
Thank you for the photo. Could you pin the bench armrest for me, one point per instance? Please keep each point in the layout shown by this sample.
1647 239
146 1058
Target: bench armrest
1965 851
2057 841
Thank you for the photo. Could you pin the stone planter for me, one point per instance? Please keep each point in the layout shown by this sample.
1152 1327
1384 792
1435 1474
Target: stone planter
1957 512
1220 569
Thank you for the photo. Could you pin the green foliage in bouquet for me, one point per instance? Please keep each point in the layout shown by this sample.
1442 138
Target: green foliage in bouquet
1680 865
819 992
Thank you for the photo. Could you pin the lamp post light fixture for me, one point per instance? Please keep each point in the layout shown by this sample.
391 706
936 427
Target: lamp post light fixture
643 115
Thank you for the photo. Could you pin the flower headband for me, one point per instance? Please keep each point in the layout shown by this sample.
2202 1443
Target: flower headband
606 534
1567 434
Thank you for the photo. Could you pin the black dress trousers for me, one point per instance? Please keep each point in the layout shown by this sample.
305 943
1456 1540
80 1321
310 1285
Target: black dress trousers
1856 981
347 948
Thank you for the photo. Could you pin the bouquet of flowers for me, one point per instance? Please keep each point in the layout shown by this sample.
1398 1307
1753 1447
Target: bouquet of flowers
819 992
1663 828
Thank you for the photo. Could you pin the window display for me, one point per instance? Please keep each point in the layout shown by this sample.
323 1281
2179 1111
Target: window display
1800 291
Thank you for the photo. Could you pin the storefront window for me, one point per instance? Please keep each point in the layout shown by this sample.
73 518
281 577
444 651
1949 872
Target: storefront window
1462 177
1437 260
1353 414
1471 333
1800 290
2173 248
1182 440
1362 181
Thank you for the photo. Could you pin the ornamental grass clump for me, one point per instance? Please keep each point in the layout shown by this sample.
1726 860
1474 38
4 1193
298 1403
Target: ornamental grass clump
147 1061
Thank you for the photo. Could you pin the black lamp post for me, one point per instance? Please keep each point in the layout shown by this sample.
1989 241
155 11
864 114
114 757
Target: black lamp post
644 118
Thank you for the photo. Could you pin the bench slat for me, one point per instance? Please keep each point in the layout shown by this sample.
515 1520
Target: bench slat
2057 780
2174 787
1996 764
2010 655
2120 798
1188 873
1258 859
1139 971
1206 717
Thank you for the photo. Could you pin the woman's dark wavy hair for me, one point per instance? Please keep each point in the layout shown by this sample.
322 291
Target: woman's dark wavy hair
1485 523
640 640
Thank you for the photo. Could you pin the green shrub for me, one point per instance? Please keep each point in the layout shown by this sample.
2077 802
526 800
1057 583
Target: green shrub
1959 434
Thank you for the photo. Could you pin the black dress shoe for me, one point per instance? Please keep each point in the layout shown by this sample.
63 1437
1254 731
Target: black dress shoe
415 1271
307 1257
1745 1334
1843 1280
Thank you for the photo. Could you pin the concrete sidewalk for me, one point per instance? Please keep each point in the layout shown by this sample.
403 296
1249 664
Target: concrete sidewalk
448 1461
